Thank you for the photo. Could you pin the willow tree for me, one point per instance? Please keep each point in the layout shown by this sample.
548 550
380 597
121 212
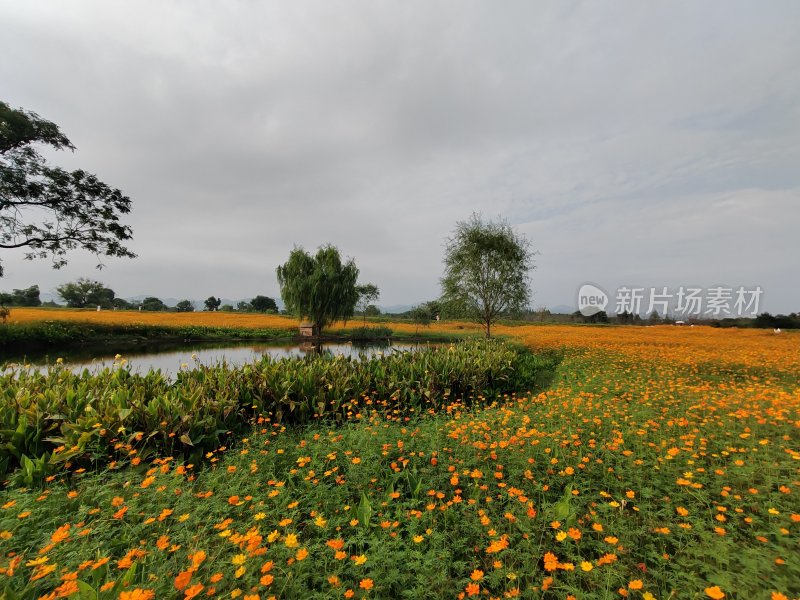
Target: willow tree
486 270
320 288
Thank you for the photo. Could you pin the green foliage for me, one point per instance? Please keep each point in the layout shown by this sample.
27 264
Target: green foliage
26 297
434 308
84 293
320 288
598 317
184 306
49 210
366 334
423 499
212 303
367 295
766 320
81 417
420 316
122 304
486 270
153 304
263 304
19 338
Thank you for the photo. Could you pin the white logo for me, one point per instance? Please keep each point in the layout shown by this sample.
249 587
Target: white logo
591 300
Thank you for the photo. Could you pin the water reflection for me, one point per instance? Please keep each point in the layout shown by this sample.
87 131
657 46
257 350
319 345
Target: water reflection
190 356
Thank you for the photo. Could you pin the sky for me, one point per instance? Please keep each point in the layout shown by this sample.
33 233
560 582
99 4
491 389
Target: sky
633 143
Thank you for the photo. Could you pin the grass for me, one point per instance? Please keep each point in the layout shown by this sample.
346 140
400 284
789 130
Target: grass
661 463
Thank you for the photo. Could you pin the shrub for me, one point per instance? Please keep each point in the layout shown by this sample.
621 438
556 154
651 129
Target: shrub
84 417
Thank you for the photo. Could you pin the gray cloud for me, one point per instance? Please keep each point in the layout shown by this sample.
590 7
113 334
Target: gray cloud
634 143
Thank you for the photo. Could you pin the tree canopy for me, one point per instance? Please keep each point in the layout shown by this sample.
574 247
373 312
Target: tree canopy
153 304
486 270
212 303
49 210
420 315
84 293
368 294
263 304
26 297
184 306
320 288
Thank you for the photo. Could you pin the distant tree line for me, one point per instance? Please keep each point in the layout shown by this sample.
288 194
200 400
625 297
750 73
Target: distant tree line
87 293
26 297
768 321
763 321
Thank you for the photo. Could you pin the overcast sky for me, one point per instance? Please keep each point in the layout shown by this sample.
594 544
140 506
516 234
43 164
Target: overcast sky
634 143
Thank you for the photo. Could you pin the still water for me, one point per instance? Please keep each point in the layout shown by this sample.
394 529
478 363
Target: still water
188 356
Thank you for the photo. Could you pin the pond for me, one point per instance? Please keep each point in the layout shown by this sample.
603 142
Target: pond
171 359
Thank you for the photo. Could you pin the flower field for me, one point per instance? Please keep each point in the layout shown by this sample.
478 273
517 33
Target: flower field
167 319
661 462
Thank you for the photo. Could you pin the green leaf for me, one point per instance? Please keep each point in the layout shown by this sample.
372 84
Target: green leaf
85 591
364 510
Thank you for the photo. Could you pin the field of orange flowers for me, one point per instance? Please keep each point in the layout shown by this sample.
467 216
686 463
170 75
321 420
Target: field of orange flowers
233 320
167 319
661 462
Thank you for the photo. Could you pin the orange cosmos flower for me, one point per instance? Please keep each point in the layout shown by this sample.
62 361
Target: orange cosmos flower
714 592
337 544
197 559
183 579
60 534
137 594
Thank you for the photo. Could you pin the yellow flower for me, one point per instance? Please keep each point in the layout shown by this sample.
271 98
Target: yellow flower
291 540
586 566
